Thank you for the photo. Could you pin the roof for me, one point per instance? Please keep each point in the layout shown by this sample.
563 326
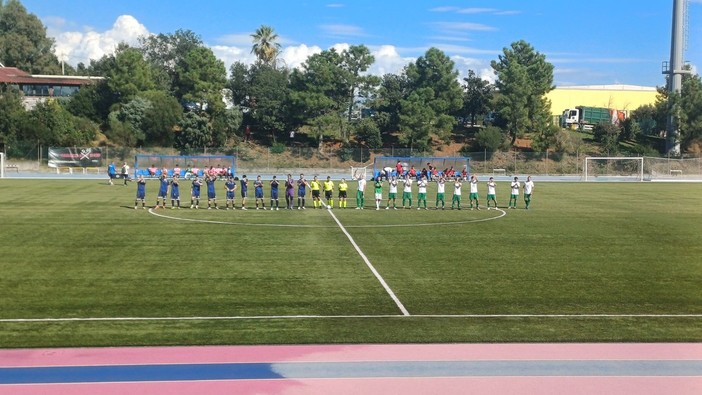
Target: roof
616 87
13 75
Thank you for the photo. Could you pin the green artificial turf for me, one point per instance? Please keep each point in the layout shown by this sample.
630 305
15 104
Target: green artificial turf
584 264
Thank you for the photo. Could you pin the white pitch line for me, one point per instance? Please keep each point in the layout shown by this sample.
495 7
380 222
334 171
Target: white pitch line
370 266
362 316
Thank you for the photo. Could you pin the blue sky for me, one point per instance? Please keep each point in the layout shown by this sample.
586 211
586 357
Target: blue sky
591 42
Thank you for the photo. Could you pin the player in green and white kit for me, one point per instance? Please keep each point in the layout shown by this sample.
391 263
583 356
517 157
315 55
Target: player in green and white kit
456 194
422 195
440 191
491 197
407 192
360 192
392 195
515 194
528 190
378 186
474 192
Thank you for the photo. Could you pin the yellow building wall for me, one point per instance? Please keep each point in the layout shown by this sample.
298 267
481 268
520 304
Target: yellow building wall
619 99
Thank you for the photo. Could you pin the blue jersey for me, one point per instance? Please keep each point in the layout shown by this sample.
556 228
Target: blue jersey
258 188
230 186
175 189
111 169
141 189
163 188
274 189
196 188
244 185
210 188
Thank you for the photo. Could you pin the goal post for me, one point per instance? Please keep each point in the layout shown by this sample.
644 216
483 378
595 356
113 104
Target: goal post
357 172
613 168
2 165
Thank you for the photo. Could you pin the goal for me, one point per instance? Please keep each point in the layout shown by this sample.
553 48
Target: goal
359 172
613 168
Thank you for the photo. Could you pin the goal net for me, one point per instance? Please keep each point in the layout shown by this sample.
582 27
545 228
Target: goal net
188 165
613 168
357 172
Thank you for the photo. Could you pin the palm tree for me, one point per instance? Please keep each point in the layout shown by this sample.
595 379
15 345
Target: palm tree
264 46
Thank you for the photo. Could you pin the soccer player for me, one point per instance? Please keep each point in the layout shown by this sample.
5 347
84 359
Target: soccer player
474 192
343 188
392 195
290 192
301 192
258 192
125 173
360 192
175 191
440 191
378 186
456 201
195 192
244 191
211 192
111 172
528 190
162 191
328 186
492 196
515 194
407 192
274 193
230 189
141 193
422 194
316 187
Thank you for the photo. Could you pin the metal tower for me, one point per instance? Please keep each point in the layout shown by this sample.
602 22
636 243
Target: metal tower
675 69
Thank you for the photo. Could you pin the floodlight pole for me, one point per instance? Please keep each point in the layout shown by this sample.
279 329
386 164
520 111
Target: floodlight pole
674 70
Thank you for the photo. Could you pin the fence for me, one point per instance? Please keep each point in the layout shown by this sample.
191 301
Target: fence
251 159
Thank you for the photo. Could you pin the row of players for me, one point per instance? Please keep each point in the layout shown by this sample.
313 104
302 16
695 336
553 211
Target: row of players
315 187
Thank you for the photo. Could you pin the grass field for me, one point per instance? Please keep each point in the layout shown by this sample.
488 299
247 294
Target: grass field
588 262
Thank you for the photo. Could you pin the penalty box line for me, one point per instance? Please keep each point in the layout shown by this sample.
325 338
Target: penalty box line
370 265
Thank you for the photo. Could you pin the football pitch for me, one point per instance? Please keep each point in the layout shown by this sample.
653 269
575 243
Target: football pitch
605 262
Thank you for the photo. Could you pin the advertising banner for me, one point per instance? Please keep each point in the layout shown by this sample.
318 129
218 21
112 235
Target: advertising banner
75 157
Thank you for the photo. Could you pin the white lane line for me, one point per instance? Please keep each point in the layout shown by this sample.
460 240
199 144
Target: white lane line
361 316
370 266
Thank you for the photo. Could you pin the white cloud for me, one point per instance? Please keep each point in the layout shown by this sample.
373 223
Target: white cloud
341 30
295 56
463 26
81 46
475 10
388 60
336 5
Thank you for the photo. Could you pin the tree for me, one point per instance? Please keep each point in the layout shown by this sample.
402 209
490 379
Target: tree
130 74
690 112
165 52
126 124
523 78
608 136
489 139
225 123
195 132
393 89
416 117
368 133
201 77
161 117
12 115
92 102
546 139
356 60
268 93
434 74
23 41
477 96
48 123
265 46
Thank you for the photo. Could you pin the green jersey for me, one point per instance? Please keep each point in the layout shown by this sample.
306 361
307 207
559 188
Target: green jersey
378 187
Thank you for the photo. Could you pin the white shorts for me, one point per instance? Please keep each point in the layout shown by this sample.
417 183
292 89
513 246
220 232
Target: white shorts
378 196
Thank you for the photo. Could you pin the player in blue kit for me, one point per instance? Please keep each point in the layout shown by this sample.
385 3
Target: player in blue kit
244 191
230 188
175 192
195 193
274 192
258 191
141 193
211 193
162 191
301 192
